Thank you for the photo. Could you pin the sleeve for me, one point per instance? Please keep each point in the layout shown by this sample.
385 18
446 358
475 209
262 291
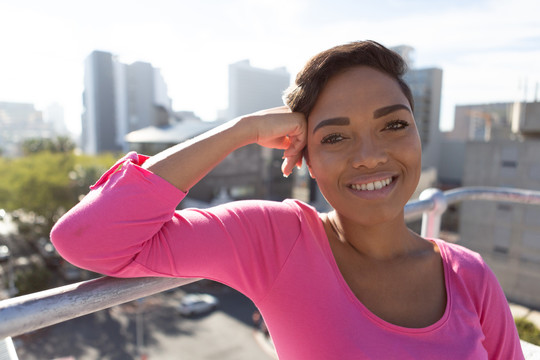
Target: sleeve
501 338
128 226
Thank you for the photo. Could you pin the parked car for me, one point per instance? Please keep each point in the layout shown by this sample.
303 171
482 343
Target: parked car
192 304
4 253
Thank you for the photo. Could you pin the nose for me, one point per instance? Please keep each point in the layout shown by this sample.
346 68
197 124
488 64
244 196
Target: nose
368 153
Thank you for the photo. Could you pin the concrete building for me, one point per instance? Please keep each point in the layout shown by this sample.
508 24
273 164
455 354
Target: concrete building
475 122
482 122
426 87
18 122
119 98
507 235
252 89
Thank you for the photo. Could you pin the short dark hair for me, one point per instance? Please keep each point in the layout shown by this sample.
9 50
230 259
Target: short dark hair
310 81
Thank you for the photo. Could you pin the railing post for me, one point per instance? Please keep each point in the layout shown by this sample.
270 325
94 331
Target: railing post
431 220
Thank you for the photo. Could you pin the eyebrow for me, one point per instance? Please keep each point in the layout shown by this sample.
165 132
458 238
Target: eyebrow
389 109
340 121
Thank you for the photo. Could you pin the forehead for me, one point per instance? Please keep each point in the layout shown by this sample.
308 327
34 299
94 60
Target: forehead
359 89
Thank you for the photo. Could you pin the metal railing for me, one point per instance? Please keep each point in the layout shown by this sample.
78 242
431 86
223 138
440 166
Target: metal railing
31 312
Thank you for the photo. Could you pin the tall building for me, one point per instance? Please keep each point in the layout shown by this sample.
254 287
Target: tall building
119 98
252 89
426 86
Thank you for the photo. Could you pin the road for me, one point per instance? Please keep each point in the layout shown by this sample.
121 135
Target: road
224 334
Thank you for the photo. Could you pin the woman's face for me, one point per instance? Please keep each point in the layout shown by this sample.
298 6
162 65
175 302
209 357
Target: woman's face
363 146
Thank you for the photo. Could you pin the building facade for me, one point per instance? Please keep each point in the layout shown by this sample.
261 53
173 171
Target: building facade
482 122
426 86
18 122
476 123
252 89
507 235
119 98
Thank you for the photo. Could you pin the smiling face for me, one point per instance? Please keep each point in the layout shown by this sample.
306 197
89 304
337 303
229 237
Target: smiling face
363 146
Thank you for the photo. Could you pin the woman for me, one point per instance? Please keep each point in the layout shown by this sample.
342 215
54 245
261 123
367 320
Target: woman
354 283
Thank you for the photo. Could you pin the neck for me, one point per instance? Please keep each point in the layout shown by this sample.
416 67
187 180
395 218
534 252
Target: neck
385 241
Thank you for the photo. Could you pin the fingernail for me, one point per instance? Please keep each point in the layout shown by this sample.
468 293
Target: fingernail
285 175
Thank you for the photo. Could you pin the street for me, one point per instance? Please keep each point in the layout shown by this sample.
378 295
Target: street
226 333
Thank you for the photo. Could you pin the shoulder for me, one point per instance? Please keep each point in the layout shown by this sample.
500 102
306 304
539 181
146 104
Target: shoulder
461 259
465 268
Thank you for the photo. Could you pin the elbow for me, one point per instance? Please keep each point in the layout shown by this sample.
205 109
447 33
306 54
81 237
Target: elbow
67 236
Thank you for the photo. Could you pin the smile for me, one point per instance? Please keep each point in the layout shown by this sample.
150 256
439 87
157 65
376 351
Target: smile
376 185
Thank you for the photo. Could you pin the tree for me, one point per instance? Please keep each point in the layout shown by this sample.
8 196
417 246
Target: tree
60 144
47 184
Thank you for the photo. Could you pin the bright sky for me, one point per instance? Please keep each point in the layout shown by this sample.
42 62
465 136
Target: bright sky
488 49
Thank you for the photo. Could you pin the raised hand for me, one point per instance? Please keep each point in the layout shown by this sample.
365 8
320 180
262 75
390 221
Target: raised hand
279 128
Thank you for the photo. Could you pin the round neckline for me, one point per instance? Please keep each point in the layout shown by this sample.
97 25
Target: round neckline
379 321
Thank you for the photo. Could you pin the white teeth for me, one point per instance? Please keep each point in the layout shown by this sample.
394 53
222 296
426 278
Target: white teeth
377 185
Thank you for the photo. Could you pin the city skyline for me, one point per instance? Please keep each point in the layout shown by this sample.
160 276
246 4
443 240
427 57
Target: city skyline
488 50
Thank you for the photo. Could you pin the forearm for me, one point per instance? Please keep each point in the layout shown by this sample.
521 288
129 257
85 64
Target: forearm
185 164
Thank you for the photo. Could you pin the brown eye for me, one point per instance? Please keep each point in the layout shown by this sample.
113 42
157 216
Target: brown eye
396 125
332 139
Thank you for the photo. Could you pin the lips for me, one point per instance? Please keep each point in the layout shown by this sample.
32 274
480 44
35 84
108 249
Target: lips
370 186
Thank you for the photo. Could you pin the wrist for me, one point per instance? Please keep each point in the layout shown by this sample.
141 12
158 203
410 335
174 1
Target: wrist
246 129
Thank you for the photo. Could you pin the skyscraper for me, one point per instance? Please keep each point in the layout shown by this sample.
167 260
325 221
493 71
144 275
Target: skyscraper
119 98
426 87
252 89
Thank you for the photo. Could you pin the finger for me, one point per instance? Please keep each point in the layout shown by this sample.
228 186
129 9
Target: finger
289 162
286 167
296 145
300 161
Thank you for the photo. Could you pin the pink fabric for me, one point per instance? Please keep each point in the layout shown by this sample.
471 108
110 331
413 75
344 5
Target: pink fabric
278 255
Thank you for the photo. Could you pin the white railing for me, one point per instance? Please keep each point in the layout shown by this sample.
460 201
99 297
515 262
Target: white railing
27 313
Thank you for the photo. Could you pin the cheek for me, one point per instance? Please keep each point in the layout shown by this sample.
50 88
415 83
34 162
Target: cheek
411 153
320 162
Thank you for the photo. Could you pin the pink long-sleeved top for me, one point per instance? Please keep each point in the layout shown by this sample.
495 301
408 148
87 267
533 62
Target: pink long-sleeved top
277 254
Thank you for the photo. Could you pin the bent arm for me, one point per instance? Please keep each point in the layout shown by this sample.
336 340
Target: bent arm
185 164
127 225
